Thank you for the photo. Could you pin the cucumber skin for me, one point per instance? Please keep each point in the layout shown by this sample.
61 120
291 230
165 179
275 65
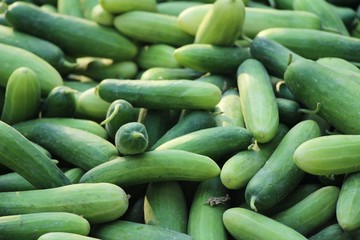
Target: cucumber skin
154 166
279 176
333 231
62 236
76 36
104 202
127 143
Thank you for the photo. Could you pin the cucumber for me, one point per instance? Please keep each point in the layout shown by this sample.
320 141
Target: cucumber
151 27
210 201
87 7
136 231
78 147
22 97
20 155
195 120
190 19
342 66
155 94
104 202
135 213
14 182
74 174
279 176
241 167
48 8
311 91
347 211
281 90
70 8
311 213
121 6
215 142
60 103
91 105
157 55
31 226
289 111
48 76
175 8
62 235
163 198
222 24
258 103
77 37
223 82
246 224
210 58
101 16
131 138
161 73
333 231
166 165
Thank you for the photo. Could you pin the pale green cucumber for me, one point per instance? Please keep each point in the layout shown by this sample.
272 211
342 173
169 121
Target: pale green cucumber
91 105
175 8
157 55
122 6
70 8
62 236
101 16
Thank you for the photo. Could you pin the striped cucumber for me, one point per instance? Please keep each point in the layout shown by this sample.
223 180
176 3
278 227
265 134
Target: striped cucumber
121 6
151 166
157 55
215 142
22 97
76 36
20 155
104 202
165 73
246 224
222 24
279 176
258 103
60 103
161 94
62 236
32 225
131 138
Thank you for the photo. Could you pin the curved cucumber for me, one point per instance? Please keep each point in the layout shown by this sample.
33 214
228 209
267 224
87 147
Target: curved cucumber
151 166
22 97
131 138
104 202
60 102
161 94
62 236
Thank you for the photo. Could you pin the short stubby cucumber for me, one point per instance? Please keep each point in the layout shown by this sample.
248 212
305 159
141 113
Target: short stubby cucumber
131 138
60 102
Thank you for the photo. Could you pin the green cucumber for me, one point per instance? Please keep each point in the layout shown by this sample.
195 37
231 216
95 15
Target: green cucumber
22 97
163 198
155 94
131 138
280 89
175 8
165 73
20 155
48 7
31 226
342 66
48 76
342 112
190 19
101 16
76 36
210 58
70 8
150 27
122 6
311 213
279 176
195 120
210 201
136 231
74 174
347 210
333 231
246 224
87 6
78 147
222 24
215 142
241 167
258 103
289 111
166 165
62 236
223 82
157 55
91 105
104 202
60 103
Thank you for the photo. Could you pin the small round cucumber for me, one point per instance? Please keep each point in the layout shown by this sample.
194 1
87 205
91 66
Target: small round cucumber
60 102
131 138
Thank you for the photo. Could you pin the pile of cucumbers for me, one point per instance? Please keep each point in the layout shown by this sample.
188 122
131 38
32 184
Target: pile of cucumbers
159 120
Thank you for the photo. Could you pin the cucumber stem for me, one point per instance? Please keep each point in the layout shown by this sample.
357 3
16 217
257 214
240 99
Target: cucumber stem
290 59
278 85
252 203
315 111
138 135
112 115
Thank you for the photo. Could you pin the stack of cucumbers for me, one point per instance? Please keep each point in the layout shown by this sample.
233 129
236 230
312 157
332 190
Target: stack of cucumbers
169 119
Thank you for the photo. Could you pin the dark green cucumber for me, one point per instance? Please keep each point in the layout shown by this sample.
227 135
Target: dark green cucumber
161 73
136 231
241 167
20 155
215 142
152 166
151 27
314 84
60 103
78 147
135 212
246 224
104 202
289 111
22 96
210 58
347 210
131 138
311 213
157 55
210 201
122 6
161 94
31 226
163 198
62 236
195 120
279 176
333 231
76 36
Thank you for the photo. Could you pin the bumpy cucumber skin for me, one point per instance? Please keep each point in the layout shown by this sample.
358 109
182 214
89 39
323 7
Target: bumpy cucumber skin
270 185
151 166
131 138
347 208
62 236
104 202
33 225
246 224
